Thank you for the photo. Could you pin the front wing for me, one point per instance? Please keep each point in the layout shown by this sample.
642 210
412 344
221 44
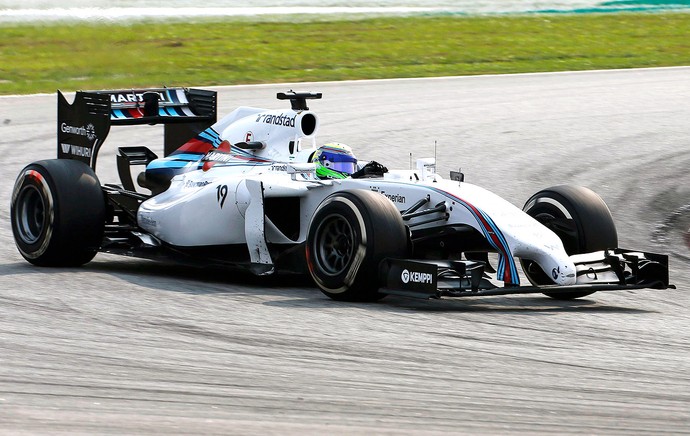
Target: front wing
609 270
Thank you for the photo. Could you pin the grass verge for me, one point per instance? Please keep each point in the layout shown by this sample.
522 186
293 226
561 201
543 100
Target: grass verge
76 56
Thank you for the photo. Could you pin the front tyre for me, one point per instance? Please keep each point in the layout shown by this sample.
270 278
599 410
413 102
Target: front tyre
581 220
350 233
57 213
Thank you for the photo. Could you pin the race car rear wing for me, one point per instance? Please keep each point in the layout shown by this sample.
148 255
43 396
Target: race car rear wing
84 125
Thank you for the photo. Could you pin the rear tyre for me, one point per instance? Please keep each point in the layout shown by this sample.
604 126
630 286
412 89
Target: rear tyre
350 233
57 213
581 220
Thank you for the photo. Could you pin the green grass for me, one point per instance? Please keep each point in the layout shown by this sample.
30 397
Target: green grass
75 56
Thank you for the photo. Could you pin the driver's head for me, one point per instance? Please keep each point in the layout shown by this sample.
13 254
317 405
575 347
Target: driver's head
334 161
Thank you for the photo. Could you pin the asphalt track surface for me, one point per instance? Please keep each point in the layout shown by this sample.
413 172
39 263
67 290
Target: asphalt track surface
126 346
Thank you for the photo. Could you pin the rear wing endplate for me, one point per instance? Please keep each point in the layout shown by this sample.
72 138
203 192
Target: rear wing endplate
84 124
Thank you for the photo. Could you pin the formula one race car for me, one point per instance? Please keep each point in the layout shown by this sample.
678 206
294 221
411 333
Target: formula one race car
252 191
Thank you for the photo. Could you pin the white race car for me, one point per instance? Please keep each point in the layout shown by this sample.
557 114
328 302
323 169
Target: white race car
253 191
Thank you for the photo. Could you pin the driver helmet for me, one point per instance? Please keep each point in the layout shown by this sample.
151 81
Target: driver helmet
334 161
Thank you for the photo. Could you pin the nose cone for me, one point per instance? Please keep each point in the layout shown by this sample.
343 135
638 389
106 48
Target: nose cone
564 275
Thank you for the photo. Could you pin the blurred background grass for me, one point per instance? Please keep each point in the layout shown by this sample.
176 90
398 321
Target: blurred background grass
43 58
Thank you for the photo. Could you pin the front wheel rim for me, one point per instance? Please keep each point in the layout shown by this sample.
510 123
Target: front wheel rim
564 228
334 245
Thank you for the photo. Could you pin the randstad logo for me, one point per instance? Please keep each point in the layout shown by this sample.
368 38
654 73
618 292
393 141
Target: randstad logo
416 277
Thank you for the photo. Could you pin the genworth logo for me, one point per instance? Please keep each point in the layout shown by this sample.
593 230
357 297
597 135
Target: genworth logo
89 131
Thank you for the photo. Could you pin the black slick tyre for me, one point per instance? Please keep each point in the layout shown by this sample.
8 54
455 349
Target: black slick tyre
350 233
57 213
581 220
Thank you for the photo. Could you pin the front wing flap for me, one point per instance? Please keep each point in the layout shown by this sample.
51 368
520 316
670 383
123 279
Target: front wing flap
608 270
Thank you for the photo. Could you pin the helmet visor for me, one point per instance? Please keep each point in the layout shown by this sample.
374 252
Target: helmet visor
343 167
